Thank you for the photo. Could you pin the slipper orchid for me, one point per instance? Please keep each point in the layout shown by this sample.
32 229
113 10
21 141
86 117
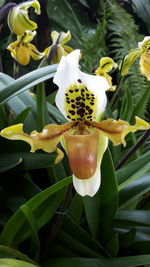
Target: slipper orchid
145 57
106 64
21 50
81 98
143 51
58 48
18 19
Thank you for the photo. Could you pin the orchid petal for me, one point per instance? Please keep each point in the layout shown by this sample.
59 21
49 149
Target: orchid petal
85 153
91 185
47 140
20 53
145 64
21 50
35 54
107 64
88 187
116 131
82 153
145 44
71 80
64 37
18 19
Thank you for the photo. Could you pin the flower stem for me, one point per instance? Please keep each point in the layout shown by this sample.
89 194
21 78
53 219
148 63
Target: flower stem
117 91
133 149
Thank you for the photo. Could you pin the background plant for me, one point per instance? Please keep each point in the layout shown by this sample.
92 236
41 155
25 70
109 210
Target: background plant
42 220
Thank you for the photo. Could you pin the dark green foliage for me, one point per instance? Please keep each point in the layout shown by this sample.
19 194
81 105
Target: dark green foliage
43 221
123 37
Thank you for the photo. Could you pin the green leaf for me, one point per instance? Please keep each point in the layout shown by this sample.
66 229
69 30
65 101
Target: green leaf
15 263
133 170
42 110
127 106
8 161
134 191
30 161
140 106
113 245
76 208
131 261
51 98
10 252
25 82
43 207
76 246
102 207
67 17
55 114
20 105
35 244
80 234
133 217
3 118
22 116
23 102
126 239
142 9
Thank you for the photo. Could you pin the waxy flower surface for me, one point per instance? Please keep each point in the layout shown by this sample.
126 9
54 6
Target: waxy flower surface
81 98
58 47
18 19
22 50
145 57
106 64
143 51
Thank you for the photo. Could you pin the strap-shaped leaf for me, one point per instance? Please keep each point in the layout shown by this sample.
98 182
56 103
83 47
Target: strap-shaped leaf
27 81
43 206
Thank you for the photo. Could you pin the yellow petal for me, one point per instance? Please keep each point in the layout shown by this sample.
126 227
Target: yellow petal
47 140
35 54
129 60
82 153
18 19
12 49
20 52
67 49
23 54
116 131
145 64
107 64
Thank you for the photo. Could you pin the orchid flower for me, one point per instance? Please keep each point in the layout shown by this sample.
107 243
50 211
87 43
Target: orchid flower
58 47
106 64
145 57
143 51
21 50
18 19
81 98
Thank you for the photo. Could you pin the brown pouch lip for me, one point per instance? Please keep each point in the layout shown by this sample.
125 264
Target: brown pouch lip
82 153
